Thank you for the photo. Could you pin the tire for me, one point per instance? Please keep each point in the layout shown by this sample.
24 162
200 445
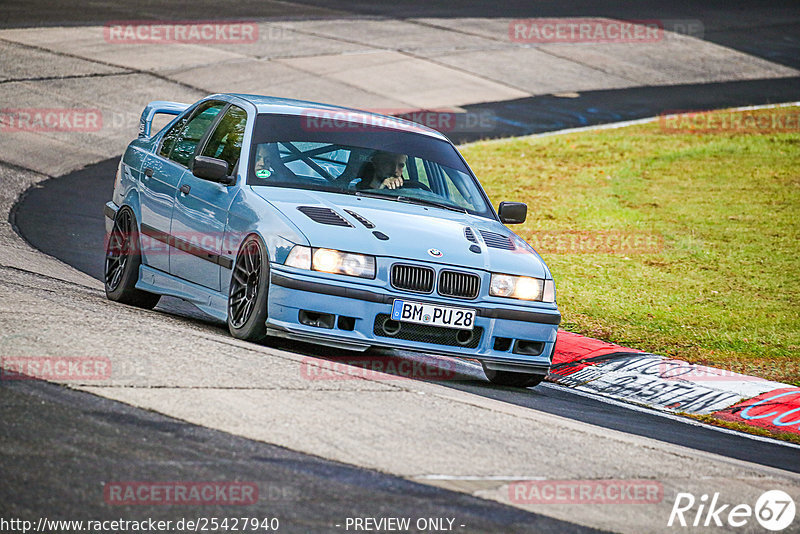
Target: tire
123 258
516 380
249 289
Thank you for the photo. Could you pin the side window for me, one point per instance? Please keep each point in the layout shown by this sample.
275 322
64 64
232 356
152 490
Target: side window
226 141
169 138
193 131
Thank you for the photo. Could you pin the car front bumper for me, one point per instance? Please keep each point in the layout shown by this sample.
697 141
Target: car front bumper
509 338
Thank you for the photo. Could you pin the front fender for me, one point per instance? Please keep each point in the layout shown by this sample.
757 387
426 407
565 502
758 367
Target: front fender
251 214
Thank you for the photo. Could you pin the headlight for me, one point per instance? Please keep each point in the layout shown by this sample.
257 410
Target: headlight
522 287
327 260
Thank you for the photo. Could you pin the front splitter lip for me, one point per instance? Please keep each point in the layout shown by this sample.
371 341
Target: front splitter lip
515 366
331 340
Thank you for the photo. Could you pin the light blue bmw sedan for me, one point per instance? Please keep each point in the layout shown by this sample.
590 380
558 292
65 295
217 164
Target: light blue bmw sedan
327 225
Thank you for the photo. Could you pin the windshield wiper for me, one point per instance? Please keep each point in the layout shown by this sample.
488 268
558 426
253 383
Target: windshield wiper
373 195
412 200
427 202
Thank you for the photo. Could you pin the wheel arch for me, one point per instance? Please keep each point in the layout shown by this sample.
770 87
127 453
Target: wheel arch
236 248
132 202
247 314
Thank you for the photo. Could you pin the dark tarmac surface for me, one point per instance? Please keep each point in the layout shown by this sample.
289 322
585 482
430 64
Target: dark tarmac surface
61 446
769 29
549 113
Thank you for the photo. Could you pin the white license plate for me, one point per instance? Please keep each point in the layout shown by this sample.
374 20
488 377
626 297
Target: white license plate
418 312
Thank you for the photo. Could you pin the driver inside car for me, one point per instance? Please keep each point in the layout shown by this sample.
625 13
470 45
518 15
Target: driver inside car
269 166
263 167
383 171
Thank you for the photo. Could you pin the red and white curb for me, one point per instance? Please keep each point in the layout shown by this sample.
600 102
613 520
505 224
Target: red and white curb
655 381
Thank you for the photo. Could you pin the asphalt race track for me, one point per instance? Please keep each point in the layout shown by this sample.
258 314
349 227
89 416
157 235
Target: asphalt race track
117 442
63 218
769 32
323 452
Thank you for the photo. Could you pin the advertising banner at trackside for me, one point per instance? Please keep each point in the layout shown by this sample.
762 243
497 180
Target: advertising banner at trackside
618 372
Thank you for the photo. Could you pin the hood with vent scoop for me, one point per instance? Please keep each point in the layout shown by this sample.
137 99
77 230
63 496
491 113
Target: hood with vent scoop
421 233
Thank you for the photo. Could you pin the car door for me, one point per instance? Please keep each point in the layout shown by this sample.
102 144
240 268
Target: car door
159 183
160 179
201 207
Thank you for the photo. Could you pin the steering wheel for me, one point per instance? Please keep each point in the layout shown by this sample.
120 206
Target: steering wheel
416 185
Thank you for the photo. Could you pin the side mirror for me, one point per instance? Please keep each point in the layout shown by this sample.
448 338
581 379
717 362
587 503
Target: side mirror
212 169
513 212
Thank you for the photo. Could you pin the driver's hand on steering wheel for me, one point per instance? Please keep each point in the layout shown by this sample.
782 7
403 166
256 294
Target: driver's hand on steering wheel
392 182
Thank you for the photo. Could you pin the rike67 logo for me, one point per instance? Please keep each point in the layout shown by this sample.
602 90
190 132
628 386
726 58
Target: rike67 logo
774 510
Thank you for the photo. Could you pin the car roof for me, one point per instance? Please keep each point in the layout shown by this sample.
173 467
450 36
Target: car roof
289 106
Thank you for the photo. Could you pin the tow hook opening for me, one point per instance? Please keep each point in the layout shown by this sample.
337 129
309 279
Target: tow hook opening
464 337
391 327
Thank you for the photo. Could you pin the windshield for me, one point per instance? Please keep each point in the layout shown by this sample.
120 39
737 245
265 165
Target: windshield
395 165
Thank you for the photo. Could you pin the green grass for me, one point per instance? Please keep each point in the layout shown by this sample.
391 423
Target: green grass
723 290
